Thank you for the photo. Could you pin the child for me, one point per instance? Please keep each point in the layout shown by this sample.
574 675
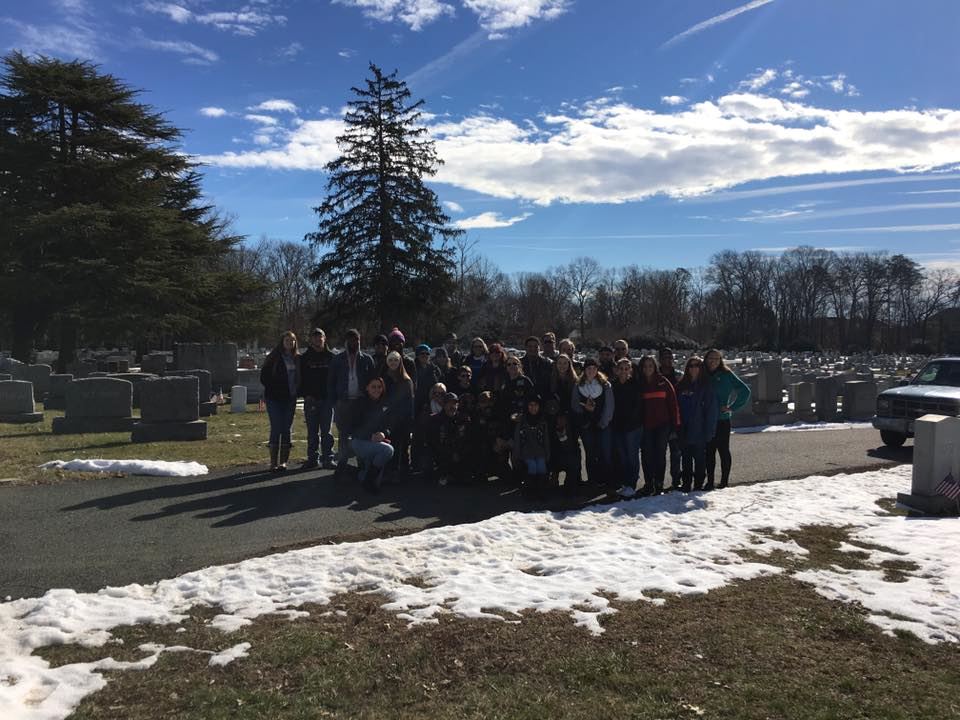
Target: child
531 448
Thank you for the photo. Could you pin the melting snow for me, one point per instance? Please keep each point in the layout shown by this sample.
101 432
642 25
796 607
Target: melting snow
131 467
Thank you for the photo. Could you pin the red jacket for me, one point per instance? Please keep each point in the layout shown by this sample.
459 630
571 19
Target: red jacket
659 403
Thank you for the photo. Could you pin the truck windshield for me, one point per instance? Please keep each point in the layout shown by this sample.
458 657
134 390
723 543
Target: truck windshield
940 373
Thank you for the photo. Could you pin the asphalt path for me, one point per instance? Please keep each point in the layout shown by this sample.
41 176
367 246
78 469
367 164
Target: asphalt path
105 531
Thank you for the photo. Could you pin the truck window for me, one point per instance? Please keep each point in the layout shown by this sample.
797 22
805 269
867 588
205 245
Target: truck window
938 373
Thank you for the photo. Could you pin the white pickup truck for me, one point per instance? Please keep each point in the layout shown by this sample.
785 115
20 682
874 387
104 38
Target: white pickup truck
933 390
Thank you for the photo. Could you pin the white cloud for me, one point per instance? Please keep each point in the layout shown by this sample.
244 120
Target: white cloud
759 81
347 53
275 105
414 13
247 21
613 152
310 146
497 16
261 119
192 54
290 52
715 20
933 192
489 220
213 112
453 206
76 40
806 214
673 99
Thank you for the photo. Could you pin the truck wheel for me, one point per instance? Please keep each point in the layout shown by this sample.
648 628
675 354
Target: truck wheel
892 439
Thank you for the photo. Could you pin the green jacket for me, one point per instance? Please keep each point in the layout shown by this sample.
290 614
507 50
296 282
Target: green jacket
727 385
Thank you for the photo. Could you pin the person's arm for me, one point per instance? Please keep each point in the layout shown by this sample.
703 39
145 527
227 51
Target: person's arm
711 413
673 407
266 370
742 391
332 379
608 406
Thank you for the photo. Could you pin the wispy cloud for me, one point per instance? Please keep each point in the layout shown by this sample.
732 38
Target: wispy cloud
347 53
192 53
489 220
452 206
715 20
833 248
826 185
291 51
416 14
931 192
213 112
68 41
459 51
275 105
496 17
673 99
886 229
261 119
805 214
247 21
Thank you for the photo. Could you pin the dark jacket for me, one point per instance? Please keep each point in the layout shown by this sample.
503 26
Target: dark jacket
627 406
427 376
273 377
531 439
491 378
400 401
372 417
513 397
603 408
538 369
698 412
337 377
659 403
314 371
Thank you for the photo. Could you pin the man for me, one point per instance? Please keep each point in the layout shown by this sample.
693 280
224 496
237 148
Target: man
350 371
536 367
317 409
606 362
673 444
550 350
380 354
425 377
567 347
621 350
453 350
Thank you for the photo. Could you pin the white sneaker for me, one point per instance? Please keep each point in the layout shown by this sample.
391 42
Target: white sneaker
626 492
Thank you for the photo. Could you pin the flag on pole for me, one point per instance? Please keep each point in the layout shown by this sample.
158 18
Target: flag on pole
949 487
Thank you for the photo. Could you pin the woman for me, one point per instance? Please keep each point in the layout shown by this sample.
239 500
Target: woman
732 394
478 356
399 394
661 418
494 373
371 438
591 403
626 426
566 457
698 422
280 377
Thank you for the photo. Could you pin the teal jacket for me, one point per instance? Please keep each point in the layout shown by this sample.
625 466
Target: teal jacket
727 385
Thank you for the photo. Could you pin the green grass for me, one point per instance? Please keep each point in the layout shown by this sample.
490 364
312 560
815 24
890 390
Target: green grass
232 441
766 648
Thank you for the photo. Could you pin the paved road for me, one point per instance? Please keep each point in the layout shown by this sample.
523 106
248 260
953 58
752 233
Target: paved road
110 531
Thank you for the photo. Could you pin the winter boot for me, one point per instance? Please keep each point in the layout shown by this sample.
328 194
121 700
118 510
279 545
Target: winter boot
284 456
724 482
273 457
709 485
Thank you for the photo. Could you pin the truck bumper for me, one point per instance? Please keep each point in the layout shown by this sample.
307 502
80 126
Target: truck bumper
898 425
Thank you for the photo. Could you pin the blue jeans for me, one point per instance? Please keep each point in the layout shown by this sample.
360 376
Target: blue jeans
596 446
368 452
626 444
280 413
536 466
318 415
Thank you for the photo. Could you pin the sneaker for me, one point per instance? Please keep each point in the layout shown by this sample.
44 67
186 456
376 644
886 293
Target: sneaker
626 492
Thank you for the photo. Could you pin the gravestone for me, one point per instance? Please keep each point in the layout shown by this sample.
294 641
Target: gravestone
83 368
247 362
803 402
745 417
219 358
6 376
154 363
238 399
97 405
16 403
825 396
56 397
859 399
39 375
768 402
250 379
207 407
936 453
14 368
170 410
137 379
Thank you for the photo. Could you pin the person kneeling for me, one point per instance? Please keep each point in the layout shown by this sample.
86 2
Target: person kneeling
371 438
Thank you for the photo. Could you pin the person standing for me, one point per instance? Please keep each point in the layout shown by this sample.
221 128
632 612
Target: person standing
732 394
549 342
535 366
605 361
453 350
531 448
399 395
350 371
477 358
591 403
627 426
698 422
317 410
671 375
395 342
280 377
426 378
661 417
565 456
380 354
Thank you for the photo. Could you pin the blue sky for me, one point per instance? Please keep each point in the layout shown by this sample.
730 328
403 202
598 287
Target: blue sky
653 132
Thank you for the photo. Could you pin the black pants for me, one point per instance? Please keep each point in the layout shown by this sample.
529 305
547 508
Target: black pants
653 455
675 452
719 444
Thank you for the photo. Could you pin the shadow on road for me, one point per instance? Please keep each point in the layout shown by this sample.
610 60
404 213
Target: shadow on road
901 454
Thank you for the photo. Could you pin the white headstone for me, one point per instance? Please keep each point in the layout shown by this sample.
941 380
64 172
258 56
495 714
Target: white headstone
936 445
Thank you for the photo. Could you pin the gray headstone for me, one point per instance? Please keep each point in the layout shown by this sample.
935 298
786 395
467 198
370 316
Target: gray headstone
154 363
170 399
250 379
6 376
14 368
825 396
16 402
100 397
39 375
859 399
56 397
137 379
219 358
770 388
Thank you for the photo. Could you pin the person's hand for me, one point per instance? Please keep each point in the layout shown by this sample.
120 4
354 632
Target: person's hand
378 437
589 405
724 408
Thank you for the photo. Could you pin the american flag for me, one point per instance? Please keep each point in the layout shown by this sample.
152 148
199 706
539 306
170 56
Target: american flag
949 487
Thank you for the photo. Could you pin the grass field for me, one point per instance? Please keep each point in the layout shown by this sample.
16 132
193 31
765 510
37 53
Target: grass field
232 440
766 648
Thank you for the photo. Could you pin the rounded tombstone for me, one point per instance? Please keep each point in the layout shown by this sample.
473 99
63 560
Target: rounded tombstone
170 399
16 397
97 397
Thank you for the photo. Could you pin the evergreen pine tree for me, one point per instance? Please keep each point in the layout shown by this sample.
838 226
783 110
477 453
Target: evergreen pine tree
389 258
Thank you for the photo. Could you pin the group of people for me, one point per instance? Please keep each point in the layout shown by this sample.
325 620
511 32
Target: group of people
535 418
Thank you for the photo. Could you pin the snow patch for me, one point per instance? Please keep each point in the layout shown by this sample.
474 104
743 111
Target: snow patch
225 657
802 427
160 468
